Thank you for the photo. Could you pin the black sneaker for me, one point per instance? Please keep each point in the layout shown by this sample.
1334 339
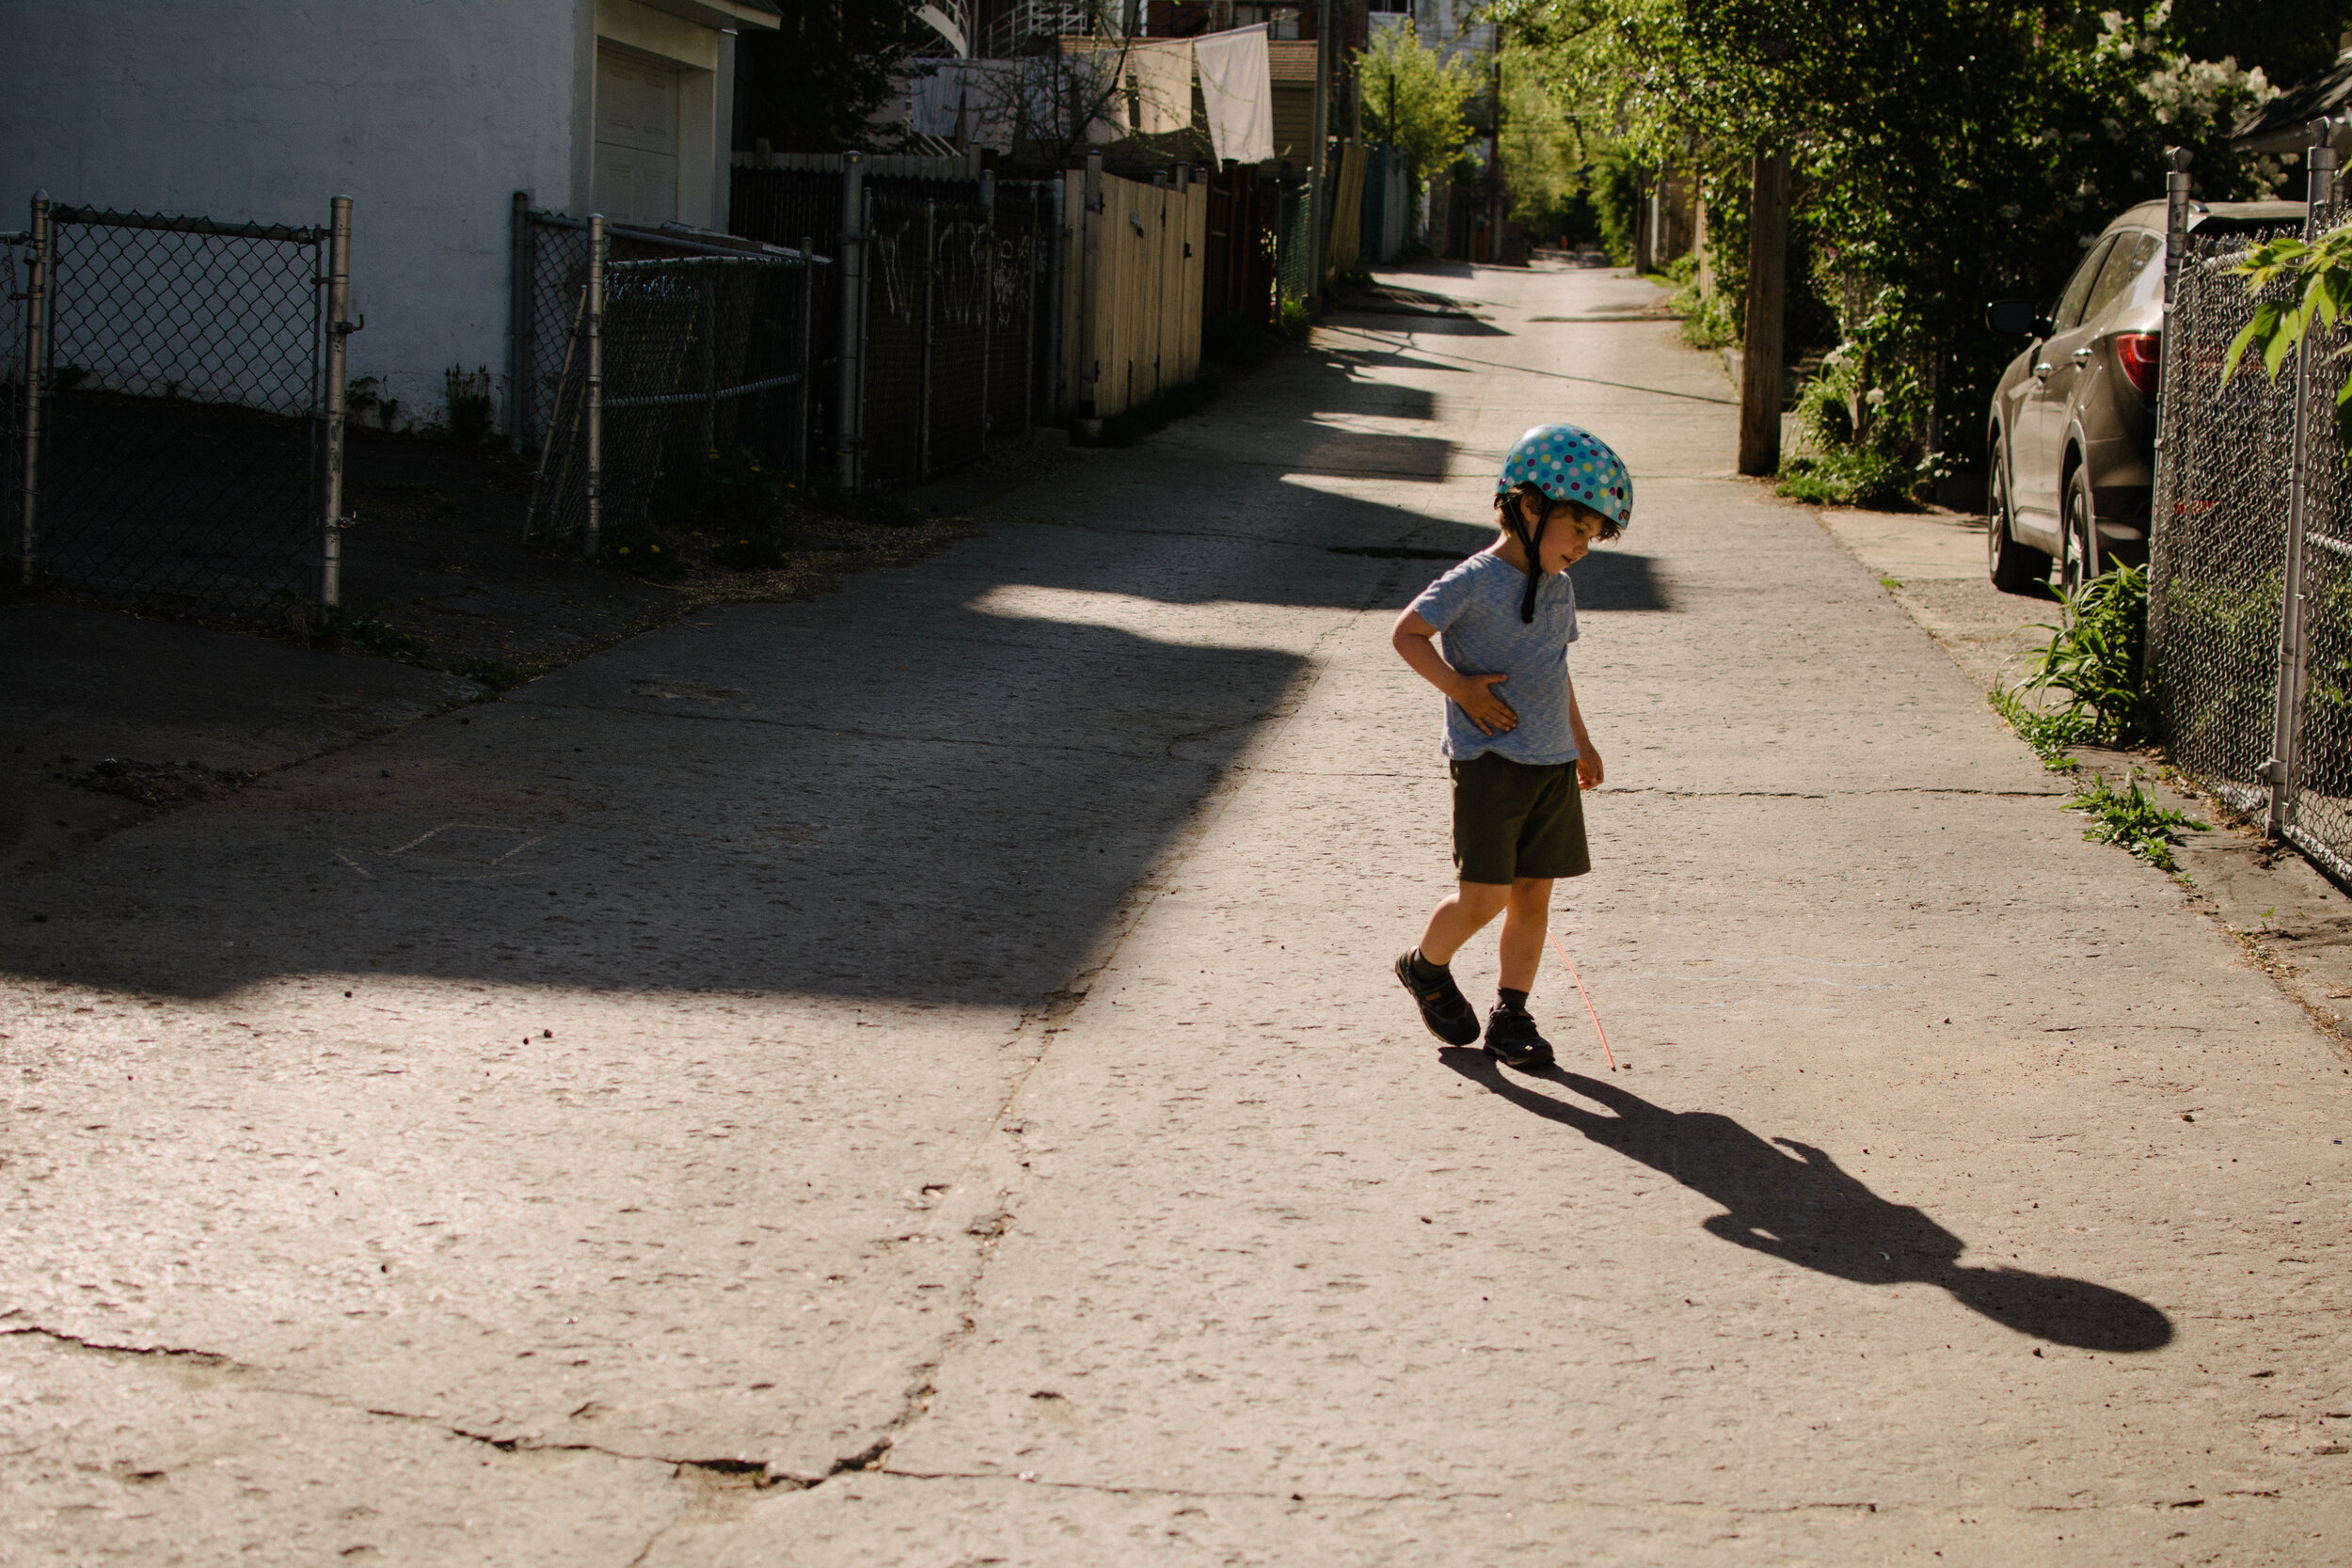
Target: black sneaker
1444 1007
1512 1039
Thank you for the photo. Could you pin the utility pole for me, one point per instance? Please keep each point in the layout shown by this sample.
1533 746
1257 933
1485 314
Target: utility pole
1760 351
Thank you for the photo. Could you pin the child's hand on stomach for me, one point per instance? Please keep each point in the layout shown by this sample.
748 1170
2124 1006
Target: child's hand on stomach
1478 699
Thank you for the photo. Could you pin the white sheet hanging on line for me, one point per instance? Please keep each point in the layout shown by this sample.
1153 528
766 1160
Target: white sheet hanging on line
1163 74
1093 83
935 97
993 101
1237 89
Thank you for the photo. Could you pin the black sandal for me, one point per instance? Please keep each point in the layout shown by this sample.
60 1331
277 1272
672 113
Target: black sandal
1444 1007
1512 1039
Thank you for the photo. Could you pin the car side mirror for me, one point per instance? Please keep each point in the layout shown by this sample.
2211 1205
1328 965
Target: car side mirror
2016 318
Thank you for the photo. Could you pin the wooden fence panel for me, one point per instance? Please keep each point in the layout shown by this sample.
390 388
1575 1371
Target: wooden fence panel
1148 286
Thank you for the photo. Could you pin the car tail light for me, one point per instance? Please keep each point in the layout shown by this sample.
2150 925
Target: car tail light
2137 353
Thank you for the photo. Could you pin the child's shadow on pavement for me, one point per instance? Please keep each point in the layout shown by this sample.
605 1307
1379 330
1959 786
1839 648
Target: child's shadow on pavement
1800 1206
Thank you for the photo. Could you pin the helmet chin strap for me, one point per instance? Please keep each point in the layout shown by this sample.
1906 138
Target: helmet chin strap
1532 542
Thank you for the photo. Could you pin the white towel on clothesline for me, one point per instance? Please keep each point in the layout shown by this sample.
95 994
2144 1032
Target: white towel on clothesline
935 97
1163 74
1237 91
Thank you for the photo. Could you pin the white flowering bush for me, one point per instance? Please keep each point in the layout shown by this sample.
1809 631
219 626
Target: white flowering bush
2184 92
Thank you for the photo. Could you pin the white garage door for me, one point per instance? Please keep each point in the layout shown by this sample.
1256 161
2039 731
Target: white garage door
636 138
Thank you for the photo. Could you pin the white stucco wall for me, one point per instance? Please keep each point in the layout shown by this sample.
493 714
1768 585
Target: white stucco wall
429 114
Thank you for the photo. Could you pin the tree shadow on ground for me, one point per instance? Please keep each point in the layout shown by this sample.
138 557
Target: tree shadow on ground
935 787
1793 1202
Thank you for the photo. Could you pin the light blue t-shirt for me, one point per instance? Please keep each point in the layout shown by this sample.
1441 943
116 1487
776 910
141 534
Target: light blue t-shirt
1475 608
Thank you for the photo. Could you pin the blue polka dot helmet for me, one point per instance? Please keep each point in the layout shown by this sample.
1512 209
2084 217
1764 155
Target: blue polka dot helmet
1569 463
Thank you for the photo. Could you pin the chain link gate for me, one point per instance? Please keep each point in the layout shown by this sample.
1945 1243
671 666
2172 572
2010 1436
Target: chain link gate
182 410
2250 628
950 352
2217 557
2317 779
1023 239
667 364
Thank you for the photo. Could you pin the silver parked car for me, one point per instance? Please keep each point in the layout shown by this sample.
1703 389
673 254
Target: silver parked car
2070 446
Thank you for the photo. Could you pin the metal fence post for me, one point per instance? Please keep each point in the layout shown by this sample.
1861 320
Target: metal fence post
37 289
590 544
931 291
706 285
2278 772
988 290
519 326
804 391
1089 281
1028 319
1056 280
339 331
849 433
2163 501
865 341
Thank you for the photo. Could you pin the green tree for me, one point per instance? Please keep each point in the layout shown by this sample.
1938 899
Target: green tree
814 83
1943 152
1415 99
1544 161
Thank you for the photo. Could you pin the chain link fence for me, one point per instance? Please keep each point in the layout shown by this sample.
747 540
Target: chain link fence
178 448
2249 616
16 257
669 364
550 269
2218 554
1022 300
953 298
1294 243
2317 808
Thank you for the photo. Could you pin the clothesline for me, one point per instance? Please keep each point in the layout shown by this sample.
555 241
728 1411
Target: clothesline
989 102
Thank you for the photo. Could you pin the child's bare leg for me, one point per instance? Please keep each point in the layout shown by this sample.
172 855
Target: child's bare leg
1463 913
1525 918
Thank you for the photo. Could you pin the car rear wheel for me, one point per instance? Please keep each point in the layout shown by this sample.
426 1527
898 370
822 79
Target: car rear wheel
2014 568
2080 562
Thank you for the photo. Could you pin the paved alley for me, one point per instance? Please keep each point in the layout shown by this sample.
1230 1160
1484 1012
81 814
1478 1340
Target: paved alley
914 1078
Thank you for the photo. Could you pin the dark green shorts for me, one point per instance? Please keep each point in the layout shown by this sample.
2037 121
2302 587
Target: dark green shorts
1517 820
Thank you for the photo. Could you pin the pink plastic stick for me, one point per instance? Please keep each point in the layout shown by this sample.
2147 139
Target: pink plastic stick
1608 1054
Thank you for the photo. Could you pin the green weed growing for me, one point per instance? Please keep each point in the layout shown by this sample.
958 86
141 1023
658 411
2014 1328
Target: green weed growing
2131 817
2048 734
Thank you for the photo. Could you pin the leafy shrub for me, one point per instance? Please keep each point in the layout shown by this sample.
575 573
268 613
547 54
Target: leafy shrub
2097 656
1707 322
1616 192
471 414
1846 478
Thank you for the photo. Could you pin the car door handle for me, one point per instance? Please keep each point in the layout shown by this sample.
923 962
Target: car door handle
2082 354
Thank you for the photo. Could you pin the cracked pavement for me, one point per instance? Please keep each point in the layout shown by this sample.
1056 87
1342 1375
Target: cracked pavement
913 1078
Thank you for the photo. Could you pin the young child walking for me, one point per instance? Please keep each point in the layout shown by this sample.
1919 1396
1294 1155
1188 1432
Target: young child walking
1518 752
